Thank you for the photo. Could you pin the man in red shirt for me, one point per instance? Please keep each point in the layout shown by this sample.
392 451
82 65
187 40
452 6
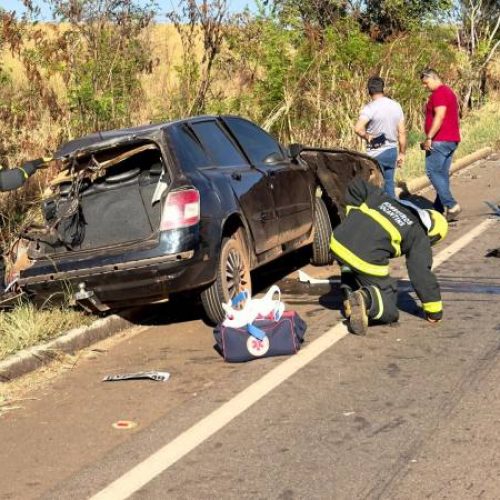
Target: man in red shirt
442 132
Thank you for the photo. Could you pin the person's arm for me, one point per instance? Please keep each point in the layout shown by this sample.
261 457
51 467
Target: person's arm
419 264
401 142
360 128
437 121
14 178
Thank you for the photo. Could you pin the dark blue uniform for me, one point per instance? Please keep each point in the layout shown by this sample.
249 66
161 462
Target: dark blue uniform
376 229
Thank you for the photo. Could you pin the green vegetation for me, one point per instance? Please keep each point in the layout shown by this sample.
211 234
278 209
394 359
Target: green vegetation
27 326
298 67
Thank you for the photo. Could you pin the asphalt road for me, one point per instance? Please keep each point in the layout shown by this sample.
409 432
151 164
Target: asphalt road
410 411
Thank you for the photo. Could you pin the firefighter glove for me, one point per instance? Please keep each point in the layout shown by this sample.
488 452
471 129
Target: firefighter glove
30 167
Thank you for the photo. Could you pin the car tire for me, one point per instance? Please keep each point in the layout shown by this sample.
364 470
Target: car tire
321 255
233 276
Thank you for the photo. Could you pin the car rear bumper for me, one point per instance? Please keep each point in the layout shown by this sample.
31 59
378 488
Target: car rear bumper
124 285
126 279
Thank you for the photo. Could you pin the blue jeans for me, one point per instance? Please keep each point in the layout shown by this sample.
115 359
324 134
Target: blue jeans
387 160
437 165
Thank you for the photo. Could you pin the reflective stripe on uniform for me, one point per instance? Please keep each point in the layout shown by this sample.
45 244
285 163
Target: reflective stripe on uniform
380 302
24 172
352 260
391 229
433 307
387 225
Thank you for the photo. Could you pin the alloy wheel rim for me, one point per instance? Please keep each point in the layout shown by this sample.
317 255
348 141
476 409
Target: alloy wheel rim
236 273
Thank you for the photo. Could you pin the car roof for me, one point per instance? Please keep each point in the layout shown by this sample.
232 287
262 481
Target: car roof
110 138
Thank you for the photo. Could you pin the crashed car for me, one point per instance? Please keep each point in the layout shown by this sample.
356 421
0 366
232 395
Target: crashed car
136 216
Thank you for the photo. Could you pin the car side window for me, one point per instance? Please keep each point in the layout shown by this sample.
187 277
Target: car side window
187 149
258 144
219 146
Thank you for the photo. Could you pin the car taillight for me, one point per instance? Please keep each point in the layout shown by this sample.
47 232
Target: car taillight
181 209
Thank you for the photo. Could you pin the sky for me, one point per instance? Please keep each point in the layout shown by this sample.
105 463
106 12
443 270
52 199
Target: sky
165 5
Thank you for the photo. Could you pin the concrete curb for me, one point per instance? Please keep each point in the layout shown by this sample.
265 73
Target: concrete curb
30 359
79 338
422 182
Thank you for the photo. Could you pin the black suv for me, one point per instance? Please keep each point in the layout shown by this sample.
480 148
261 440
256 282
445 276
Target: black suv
136 215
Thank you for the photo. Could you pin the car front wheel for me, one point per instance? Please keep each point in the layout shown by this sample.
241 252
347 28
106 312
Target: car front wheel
233 276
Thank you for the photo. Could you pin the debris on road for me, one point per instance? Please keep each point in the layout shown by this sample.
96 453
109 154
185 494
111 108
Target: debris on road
305 278
124 424
494 207
152 375
493 253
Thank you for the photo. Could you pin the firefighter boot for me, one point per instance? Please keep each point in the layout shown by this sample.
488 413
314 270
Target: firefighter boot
358 320
346 306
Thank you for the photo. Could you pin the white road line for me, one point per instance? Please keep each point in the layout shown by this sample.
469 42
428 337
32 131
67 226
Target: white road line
158 462
144 472
457 245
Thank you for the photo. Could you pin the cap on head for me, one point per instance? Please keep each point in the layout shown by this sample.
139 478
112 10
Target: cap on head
439 227
375 85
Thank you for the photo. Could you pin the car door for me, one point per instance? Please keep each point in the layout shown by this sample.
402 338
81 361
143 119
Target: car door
291 183
249 184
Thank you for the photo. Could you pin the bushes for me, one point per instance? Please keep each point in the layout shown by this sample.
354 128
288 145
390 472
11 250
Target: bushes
309 85
300 76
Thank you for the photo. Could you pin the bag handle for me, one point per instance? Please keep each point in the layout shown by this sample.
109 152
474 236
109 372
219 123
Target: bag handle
256 332
270 293
267 307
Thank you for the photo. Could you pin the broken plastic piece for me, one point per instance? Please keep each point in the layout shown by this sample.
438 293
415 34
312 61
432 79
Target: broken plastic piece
153 375
161 187
124 424
494 208
305 278
493 253
10 285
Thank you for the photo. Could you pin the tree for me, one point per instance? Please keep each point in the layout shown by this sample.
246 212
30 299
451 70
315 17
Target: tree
381 18
104 51
478 36
206 19
387 18
322 13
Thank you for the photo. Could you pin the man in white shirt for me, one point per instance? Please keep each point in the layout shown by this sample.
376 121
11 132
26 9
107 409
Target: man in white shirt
381 124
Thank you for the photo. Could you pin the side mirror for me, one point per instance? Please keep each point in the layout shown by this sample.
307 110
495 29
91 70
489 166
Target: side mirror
294 151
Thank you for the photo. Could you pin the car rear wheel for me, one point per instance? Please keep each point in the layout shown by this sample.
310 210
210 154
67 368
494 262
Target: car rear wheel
233 276
321 255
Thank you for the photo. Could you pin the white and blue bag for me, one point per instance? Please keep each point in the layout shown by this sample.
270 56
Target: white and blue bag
260 328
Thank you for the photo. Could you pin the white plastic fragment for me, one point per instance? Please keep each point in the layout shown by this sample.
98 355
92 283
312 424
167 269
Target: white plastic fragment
152 375
305 278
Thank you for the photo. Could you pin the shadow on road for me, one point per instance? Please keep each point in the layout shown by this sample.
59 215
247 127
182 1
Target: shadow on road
183 308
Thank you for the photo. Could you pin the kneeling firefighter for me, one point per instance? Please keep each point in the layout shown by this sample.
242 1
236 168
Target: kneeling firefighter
376 229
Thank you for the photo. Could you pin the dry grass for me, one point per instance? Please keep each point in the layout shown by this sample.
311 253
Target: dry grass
159 86
27 326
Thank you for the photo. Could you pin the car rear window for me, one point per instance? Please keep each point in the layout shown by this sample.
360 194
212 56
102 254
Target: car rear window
219 146
187 149
257 143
